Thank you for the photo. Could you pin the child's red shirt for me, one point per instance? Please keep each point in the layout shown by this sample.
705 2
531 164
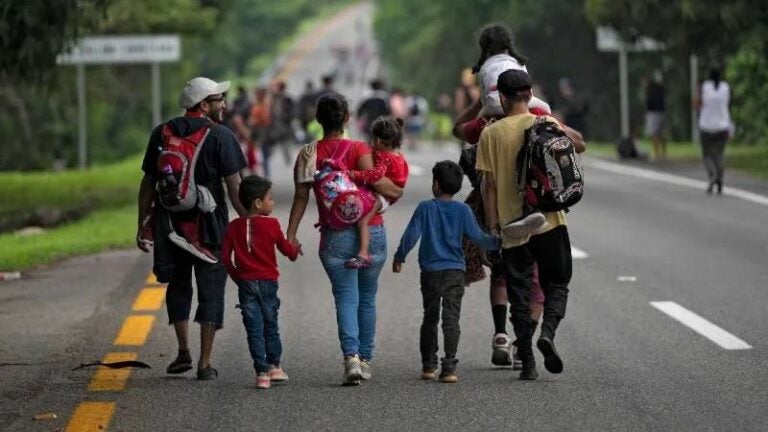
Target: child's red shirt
253 240
391 165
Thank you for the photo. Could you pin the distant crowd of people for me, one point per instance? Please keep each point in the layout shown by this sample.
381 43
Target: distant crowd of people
269 119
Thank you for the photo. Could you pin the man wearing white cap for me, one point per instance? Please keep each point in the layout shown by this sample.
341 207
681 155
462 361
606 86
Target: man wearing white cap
190 239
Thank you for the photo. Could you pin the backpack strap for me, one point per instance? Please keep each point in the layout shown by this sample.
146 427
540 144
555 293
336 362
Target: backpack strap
340 152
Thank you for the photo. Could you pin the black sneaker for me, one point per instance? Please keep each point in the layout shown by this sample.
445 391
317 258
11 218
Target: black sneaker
517 362
529 372
182 363
552 361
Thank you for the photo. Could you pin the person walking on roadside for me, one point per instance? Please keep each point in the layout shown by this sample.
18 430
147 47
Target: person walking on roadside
281 129
306 109
354 290
374 106
713 101
441 223
260 121
655 107
497 154
249 255
218 157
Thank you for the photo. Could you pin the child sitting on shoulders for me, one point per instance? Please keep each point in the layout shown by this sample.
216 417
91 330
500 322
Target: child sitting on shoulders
252 240
442 223
497 55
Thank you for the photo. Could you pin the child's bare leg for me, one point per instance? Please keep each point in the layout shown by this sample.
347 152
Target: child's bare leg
365 233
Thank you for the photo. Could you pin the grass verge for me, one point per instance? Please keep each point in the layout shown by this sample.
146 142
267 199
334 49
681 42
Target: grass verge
752 159
107 186
103 229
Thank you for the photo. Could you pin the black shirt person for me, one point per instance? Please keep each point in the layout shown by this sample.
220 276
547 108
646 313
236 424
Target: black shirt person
220 158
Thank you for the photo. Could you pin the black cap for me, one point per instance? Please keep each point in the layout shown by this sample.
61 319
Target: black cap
514 82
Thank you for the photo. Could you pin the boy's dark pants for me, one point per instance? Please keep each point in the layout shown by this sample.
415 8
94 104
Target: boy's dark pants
552 252
444 287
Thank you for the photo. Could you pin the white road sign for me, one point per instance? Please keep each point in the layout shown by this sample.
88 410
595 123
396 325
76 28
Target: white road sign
609 40
124 49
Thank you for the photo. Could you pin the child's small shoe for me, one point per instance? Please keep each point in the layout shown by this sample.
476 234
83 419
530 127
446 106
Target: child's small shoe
277 374
528 224
428 374
449 377
358 262
263 381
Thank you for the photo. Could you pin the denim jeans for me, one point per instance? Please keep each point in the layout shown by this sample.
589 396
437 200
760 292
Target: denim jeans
354 291
259 304
441 290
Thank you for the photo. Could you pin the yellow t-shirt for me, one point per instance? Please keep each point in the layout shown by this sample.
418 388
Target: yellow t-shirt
497 156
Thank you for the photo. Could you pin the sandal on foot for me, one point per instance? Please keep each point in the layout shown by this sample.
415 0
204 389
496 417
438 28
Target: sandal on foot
207 373
182 363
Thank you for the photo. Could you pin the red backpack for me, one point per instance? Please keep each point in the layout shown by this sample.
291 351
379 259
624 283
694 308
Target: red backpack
177 189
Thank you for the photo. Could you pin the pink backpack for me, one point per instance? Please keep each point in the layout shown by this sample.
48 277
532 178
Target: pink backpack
335 191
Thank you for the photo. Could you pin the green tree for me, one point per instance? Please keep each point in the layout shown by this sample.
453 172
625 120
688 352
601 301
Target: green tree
731 34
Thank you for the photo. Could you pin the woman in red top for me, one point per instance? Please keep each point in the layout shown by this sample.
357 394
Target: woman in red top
354 290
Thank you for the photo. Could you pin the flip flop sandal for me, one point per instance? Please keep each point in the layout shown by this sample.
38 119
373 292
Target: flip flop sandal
207 373
182 364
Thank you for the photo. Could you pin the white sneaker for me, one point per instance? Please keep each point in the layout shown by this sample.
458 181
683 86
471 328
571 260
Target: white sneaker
352 371
525 225
365 370
500 356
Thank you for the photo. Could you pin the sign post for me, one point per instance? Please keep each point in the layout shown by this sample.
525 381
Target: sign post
608 40
82 126
119 50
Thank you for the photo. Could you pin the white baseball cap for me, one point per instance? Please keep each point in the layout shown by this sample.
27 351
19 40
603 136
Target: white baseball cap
198 89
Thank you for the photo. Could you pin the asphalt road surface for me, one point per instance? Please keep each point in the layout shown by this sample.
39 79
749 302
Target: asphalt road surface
665 328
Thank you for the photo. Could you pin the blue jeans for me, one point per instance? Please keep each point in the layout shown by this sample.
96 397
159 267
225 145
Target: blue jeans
354 291
259 304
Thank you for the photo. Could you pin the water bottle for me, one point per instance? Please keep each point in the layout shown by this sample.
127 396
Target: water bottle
168 186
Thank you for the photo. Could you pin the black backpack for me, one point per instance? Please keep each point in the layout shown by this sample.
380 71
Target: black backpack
550 176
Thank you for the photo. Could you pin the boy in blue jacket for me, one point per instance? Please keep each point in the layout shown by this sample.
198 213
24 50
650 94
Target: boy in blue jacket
441 223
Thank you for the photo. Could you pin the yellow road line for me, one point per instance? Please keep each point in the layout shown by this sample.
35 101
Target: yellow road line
91 416
135 330
152 279
112 379
149 299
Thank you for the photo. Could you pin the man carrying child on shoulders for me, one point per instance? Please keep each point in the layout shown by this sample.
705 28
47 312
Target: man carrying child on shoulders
498 149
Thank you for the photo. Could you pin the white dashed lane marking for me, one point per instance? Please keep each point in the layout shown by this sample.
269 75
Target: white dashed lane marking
577 253
675 180
701 326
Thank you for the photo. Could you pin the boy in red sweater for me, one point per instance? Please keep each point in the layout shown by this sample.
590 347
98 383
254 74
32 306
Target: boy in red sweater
252 240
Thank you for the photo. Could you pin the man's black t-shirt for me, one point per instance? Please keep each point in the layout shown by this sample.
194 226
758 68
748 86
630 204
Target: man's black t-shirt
220 157
654 97
373 108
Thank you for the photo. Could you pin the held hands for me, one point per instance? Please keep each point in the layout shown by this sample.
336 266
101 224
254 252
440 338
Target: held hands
294 241
397 267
